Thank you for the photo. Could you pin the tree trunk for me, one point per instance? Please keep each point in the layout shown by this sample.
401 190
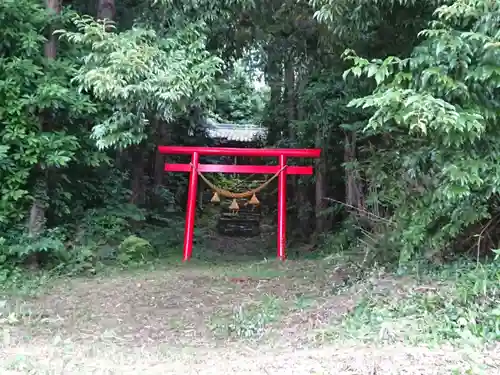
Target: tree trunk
302 196
36 222
51 45
138 188
291 117
274 76
290 98
163 137
354 185
320 171
106 9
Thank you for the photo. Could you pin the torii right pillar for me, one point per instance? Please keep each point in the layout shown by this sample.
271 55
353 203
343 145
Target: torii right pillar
282 208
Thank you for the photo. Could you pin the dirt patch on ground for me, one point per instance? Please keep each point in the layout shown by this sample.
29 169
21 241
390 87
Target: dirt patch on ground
162 322
174 306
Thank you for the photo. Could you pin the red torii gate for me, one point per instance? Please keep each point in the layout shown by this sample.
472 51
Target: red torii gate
194 167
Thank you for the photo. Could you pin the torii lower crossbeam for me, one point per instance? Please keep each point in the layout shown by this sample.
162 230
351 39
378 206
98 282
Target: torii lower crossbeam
194 167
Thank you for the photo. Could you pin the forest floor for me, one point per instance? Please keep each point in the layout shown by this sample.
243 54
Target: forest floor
237 317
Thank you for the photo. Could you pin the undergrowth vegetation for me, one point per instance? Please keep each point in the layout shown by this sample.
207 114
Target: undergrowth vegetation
455 304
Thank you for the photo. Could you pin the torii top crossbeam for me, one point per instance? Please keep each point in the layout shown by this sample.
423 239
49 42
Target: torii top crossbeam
233 151
194 168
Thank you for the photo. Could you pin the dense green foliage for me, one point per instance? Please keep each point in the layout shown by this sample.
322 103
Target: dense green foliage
400 95
439 107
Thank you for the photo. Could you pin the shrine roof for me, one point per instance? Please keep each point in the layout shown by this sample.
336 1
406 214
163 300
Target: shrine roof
235 132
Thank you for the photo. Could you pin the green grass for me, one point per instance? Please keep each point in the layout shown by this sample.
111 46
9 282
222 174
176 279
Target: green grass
453 305
248 321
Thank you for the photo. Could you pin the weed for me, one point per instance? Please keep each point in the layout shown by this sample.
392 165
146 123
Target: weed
250 322
20 282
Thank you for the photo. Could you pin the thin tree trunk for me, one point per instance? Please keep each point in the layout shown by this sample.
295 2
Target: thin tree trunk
274 75
138 188
320 171
51 45
354 185
37 213
159 161
106 9
290 97
304 207
291 117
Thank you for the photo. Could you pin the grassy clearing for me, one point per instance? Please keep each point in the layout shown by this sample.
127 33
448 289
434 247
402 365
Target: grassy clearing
303 317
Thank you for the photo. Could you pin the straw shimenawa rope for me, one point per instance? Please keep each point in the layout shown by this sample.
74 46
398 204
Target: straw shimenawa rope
247 194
